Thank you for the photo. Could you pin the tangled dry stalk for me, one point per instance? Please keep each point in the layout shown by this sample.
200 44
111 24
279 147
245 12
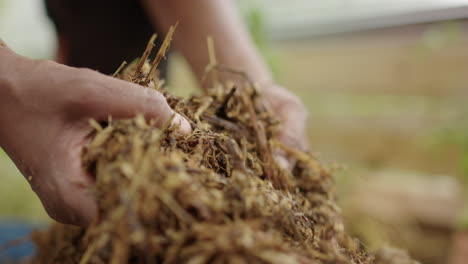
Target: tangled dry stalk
214 196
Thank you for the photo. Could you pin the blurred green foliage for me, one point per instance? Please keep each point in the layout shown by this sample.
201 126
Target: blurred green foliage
464 162
438 37
443 34
455 137
458 138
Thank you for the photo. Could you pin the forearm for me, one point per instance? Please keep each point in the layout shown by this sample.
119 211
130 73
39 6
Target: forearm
8 67
6 56
11 65
5 87
202 18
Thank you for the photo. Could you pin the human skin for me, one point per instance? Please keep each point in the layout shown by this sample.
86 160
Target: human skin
234 49
45 108
459 249
233 46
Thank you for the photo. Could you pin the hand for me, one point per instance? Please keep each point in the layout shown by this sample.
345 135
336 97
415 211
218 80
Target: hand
45 110
293 116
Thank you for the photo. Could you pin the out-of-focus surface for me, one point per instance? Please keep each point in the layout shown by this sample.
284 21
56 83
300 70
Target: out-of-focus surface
26 29
388 105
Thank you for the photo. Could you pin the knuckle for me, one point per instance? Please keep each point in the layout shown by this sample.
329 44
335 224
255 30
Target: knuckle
157 102
47 64
85 71
302 111
80 88
294 103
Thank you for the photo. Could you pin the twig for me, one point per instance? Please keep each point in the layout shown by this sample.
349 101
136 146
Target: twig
119 69
162 52
145 55
213 61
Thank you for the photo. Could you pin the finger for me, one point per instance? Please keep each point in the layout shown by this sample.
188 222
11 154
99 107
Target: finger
80 205
283 161
122 99
68 199
75 200
76 192
292 134
292 114
296 140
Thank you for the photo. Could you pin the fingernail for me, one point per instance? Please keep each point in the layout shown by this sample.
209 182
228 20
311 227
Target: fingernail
182 123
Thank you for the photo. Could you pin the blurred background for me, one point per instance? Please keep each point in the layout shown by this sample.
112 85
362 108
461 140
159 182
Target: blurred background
386 85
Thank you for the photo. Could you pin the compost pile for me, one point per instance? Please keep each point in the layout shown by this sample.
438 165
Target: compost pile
216 195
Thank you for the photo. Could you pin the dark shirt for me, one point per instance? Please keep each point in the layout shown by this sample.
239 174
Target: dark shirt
101 34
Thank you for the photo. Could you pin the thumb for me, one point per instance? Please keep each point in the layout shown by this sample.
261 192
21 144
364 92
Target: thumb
122 99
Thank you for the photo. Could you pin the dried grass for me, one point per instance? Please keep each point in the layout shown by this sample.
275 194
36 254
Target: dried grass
214 196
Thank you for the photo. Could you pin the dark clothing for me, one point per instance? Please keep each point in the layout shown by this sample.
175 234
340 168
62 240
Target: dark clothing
101 34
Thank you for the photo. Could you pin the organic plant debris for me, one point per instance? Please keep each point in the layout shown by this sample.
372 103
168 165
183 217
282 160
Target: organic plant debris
216 195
